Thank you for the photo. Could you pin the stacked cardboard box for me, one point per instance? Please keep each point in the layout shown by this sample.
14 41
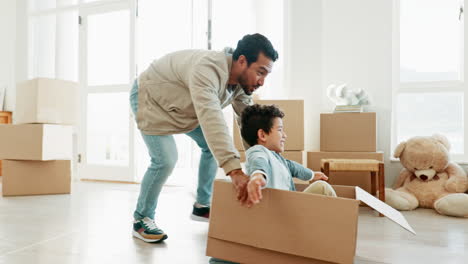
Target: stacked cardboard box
37 148
347 136
5 118
293 122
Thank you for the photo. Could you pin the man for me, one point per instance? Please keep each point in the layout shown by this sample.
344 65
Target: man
185 92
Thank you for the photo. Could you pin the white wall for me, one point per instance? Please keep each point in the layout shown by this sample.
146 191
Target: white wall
336 41
303 62
7 50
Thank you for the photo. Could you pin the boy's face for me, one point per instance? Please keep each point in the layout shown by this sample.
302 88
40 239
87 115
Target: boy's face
276 138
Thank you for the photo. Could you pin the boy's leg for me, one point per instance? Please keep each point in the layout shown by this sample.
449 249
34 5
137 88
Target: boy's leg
321 187
207 169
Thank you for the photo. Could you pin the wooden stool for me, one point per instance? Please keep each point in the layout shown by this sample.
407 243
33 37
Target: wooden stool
373 166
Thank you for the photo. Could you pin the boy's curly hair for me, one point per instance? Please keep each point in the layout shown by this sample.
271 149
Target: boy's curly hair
257 117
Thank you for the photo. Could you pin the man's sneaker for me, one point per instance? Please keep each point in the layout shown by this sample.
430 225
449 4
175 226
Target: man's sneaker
146 230
200 212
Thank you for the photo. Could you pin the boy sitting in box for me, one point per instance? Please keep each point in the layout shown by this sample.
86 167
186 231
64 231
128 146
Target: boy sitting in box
262 128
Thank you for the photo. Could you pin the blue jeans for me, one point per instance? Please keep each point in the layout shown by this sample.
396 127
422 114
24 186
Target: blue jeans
163 153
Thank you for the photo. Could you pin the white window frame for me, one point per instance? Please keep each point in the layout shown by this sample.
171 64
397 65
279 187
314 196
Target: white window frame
427 87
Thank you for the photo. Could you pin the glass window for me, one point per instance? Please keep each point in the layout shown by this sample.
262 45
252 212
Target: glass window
163 27
107 129
430 40
43 35
67 46
423 114
108 48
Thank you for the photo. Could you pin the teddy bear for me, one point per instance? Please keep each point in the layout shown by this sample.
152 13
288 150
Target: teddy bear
429 179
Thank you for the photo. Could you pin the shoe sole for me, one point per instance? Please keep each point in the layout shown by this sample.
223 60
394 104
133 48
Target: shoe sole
199 218
137 235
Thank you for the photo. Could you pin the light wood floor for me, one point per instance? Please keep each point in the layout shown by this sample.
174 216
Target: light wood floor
93 225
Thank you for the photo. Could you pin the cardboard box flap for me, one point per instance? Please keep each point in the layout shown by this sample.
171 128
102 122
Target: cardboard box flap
284 220
383 208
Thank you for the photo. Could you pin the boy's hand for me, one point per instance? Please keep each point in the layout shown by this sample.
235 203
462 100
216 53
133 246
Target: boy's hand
319 176
254 188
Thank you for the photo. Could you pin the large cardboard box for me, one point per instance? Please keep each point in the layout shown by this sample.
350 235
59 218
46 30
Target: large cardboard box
36 142
348 132
47 101
361 179
289 227
297 156
26 177
293 123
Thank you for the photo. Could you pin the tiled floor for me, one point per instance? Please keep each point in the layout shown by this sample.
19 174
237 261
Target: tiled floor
93 225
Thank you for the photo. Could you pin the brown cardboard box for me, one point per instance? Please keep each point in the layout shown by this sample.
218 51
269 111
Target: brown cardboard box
361 179
348 132
47 101
36 142
26 177
297 156
278 230
293 123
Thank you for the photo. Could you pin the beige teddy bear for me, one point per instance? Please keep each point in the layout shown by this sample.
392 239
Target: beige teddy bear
429 179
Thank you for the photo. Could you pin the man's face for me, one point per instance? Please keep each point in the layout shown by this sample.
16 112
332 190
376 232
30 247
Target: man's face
254 75
277 137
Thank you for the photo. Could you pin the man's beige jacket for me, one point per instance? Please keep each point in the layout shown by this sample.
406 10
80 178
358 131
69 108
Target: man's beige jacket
188 88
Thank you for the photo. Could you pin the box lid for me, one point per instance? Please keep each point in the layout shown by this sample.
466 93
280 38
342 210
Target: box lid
383 208
294 223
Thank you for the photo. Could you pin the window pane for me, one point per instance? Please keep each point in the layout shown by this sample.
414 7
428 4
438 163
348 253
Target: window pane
225 32
67 46
43 46
108 48
107 129
38 5
67 2
430 40
200 24
163 27
423 114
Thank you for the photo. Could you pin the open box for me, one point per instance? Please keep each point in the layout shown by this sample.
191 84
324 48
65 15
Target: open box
289 227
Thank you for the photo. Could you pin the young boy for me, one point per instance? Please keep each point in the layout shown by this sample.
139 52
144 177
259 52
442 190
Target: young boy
262 128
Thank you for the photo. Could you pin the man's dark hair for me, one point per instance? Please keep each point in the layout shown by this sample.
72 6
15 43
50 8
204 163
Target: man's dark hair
251 45
257 117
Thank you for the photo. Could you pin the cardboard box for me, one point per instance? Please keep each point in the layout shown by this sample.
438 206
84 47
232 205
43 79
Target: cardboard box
348 132
26 177
279 229
293 123
47 101
361 179
297 156
36 142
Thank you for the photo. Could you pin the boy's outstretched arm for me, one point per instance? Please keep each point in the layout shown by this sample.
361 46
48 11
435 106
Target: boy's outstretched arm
319 176
254 187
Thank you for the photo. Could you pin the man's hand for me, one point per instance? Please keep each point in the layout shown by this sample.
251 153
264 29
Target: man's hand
240 180
254 188
319 176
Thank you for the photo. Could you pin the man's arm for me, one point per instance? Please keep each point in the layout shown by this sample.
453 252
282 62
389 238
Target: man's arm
204 88
240 102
